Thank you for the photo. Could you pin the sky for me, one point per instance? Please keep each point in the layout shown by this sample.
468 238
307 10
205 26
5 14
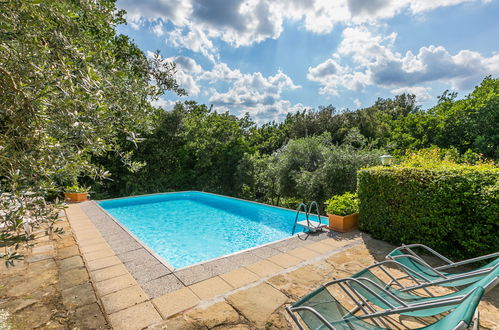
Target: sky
272 57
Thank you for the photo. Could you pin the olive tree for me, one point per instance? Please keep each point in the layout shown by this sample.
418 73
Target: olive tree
70 89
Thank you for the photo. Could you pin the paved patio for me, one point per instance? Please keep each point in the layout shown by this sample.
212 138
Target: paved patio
246 291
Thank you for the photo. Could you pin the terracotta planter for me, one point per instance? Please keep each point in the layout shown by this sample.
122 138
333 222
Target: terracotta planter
76 197
343 223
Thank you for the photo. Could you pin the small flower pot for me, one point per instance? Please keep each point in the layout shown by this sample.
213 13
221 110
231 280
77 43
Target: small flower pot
343 224
76 197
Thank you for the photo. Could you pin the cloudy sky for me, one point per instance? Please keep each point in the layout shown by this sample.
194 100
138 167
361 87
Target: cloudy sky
271 57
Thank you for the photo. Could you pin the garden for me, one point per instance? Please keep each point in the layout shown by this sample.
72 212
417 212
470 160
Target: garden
77 116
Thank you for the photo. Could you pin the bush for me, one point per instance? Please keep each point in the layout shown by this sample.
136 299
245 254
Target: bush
452 208
312 168
343 204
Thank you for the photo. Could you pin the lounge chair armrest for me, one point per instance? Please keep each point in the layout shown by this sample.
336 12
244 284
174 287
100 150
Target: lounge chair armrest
469 261
427 248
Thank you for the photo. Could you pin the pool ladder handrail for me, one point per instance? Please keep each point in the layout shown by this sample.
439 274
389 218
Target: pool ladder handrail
308 212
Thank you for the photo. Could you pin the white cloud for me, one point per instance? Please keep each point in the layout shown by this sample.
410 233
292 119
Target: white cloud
332 76
186 64
357 103
246 92
194 39
176 11
221 72
162 103
158 29
422 93
375 63
251 92
245 22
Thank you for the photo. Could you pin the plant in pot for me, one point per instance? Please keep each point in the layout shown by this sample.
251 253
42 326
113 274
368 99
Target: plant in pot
75 193
342 212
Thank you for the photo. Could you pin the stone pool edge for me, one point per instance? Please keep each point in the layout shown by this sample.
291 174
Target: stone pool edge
124 291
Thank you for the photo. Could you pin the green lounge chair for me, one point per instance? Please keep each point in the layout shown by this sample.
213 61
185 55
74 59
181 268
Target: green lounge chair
419 268
320 310
368 287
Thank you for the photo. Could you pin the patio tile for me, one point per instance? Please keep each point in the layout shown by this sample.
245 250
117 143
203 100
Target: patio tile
82 226
90 242
239 277
87 236
149 272
175 302
103 263
115 284
90 256
126 246
257 303
265 252
192 274
244 258
331 241
285 260
303 253
319 247
313 237
220 266
72 277
135 318
109 272
136 257
217 316
288 244
118 235
69 263
264 268
210 288
89 317
78 296
100 245
162 285
43 249
124 298
91 230
66 252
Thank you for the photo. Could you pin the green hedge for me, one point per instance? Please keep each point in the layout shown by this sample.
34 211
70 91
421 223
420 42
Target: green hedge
453 209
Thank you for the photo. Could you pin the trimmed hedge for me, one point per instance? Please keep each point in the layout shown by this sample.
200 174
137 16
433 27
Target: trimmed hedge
452 209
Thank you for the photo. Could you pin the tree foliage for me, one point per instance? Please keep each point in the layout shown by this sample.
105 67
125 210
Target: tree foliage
70 89
467 124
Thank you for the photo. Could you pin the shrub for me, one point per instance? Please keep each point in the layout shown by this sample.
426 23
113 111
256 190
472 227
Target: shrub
343 204
450 207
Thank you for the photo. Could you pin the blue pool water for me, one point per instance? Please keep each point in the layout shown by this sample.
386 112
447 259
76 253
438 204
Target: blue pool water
190 227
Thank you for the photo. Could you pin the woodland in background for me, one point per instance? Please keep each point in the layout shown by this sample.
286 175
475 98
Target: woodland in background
76 110
311 155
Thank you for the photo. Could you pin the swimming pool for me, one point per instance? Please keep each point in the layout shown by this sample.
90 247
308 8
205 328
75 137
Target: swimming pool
186 228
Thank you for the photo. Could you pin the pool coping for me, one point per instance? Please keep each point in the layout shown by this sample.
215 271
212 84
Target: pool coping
123 291
192 274
166 263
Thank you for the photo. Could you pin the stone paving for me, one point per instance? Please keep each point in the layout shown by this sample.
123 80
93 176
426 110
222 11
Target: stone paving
245 291
50 288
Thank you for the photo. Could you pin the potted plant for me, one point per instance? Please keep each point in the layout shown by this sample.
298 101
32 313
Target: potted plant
342 212
76 194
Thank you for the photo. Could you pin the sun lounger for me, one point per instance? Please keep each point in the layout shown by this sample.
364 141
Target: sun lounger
405 256
320 310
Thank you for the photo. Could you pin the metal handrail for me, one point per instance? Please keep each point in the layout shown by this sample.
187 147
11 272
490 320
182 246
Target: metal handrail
308 212
318 213
300 206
